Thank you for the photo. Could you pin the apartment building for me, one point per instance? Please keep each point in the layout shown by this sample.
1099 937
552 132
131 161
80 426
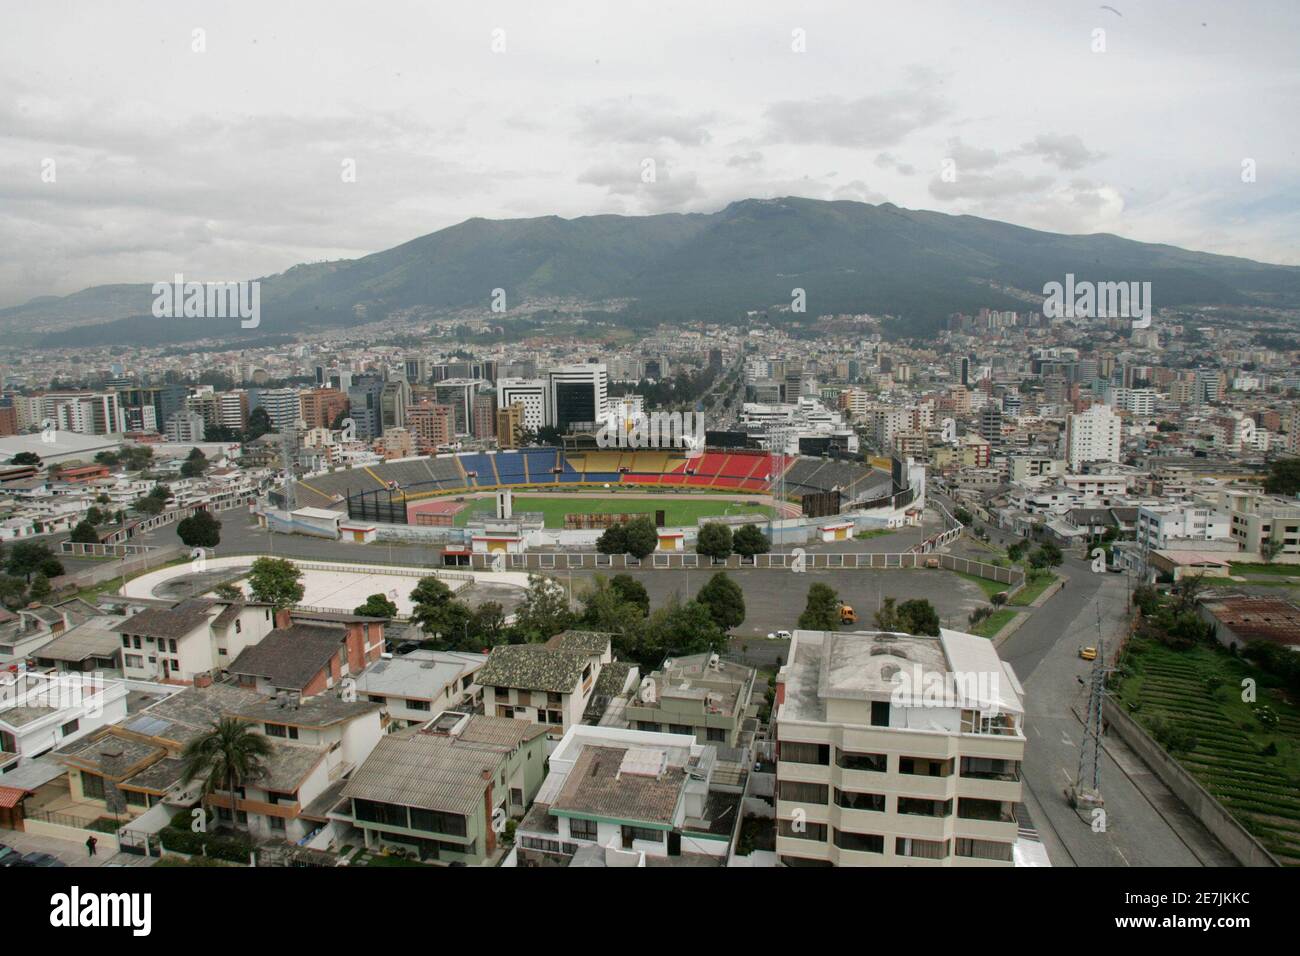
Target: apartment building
1092 435
533 394
547 684
896 750
1262 522
700 695
615 797
191 639
319 407
1158 526
42 711
445 790
133 765
309 653
413 687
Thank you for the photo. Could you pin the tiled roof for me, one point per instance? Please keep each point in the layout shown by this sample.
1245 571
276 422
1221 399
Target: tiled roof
588 642
532 667
424 770
166 622
290 656
596 786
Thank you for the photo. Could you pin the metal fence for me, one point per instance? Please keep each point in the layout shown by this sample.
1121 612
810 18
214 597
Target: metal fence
794 560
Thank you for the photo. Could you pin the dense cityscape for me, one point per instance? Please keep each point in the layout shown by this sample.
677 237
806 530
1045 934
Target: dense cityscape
798 531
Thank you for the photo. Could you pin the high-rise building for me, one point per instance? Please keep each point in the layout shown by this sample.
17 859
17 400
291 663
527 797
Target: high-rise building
578 393
459 394
319 407
533 394
896 749
510 425
186 427
364 406
431 426
281 406
1093 435
485 422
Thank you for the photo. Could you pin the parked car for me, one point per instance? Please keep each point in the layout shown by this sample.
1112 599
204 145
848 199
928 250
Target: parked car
779 636
40 859
9 856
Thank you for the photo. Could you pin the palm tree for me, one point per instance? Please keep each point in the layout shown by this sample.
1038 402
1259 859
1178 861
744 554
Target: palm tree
229 754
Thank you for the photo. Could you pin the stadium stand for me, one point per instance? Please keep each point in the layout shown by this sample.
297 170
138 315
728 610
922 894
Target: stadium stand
748 471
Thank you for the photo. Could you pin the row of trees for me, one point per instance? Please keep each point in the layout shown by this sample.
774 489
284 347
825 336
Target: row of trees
639 538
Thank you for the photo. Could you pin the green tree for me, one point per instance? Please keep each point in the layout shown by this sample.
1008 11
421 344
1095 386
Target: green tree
749 541
84 533
195 465
613 540
428 598
918 616
200 530
40 587
28 557
1283 477
714 541
228 591
26 458
632 591
377 605
259 423
544 610
642 537
228 756
822 610
725 601
276 581
676 630
1270 549
487 624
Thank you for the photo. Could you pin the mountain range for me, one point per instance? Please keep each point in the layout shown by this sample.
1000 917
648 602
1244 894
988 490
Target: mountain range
848 257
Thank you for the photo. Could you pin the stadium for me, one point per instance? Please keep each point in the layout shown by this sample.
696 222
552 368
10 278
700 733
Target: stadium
448 491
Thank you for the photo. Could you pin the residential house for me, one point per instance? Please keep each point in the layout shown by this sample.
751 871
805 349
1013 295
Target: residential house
444 791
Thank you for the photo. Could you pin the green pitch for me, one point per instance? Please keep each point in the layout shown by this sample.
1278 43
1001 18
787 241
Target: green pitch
677 511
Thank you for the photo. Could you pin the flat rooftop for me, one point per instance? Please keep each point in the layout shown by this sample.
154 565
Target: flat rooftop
869 666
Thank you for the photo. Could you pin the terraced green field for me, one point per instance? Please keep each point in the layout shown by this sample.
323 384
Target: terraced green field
1251 767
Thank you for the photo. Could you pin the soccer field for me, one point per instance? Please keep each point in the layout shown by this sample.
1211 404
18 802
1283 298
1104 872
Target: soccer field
677 511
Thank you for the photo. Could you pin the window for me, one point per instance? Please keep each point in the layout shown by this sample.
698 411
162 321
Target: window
880 713
919 807
277 823
387 814
983 849
681 729
134 660
239 626
92 785
716 734
70 727
876 763
433 821
376 699
924 767
861 842
922 849
796 752
643 833
799 792
276 730
802 831
417 704
852 800
126 641
582 829
647 725
171 645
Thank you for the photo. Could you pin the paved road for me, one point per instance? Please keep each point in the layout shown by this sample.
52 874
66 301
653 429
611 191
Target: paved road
1146 825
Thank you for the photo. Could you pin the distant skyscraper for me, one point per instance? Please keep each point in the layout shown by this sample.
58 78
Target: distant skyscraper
578 393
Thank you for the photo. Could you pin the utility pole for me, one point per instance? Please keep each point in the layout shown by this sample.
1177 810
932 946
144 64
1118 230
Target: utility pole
1086 792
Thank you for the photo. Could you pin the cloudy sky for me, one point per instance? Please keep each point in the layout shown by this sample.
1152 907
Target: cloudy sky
319 130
